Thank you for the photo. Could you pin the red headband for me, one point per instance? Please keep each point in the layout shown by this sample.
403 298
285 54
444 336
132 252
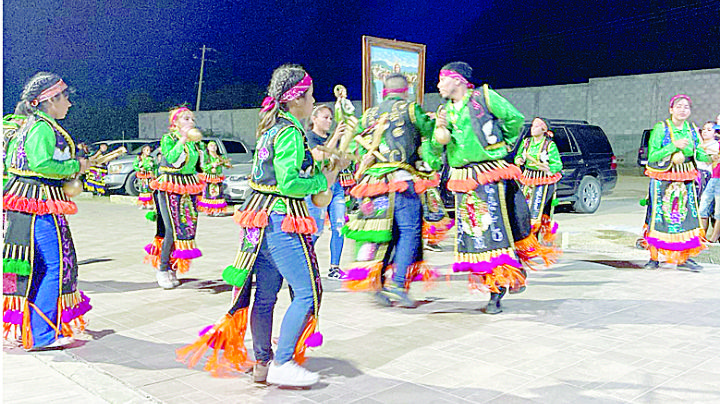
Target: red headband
174 116
49 92
292 94
387 91
679 96
455 75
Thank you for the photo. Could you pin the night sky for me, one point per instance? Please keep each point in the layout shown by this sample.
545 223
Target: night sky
139 55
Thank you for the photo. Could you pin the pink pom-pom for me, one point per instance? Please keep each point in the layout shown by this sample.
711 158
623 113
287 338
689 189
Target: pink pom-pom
432 229
314 340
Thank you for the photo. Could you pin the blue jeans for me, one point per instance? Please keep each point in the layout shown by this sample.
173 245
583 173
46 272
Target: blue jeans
282 256
336 210
710 194
407 232
45 289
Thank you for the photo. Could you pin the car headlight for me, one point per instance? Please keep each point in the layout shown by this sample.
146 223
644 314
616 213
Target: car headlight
115 168
235 178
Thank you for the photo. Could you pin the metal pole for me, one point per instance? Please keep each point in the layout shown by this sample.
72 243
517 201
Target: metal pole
202 67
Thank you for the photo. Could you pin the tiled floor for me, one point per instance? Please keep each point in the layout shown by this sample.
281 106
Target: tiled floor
586 330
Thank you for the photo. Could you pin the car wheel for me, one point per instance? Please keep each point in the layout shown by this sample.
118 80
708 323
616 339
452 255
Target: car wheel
588 195
132 185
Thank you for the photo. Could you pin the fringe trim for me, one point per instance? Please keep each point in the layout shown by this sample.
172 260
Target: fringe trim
466 179
682 172
675 257
503 275
308 339
535 177
152 250
437 232
347 180
16 316
184 251
363 277
372 186
211 178
178 184
256 213
212 206
143 175
227 335
545 230
529 248
56 206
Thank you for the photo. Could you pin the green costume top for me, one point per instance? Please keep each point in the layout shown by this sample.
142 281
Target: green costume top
178 158
424 124
466 145
47 151
10 129
207 165
660 145
146 164
534 148
283 164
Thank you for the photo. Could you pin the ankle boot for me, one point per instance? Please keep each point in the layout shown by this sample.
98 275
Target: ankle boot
493 306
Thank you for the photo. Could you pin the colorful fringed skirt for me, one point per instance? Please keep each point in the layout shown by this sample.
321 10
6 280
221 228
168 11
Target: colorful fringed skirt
372 229
672 226
212 201
176 205
145 198
539 190
436 222
41 302
493 226
95 180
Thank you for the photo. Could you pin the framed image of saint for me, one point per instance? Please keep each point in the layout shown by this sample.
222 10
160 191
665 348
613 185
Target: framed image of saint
384 56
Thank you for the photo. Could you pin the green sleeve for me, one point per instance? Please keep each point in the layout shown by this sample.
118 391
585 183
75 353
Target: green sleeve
655 150
40 144
207 166
519 155
512 119
171 148
289 155
138 164
554 160
429 152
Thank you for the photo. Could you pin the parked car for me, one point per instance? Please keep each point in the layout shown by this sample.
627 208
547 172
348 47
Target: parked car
121 173
129 144
589 165
236 186
643 150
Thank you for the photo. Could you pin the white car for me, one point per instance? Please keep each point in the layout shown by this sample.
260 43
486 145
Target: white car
236 186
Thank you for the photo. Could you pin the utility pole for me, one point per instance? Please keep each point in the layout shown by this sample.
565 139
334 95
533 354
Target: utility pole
202 68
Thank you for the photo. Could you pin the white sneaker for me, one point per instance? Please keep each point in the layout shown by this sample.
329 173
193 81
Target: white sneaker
291 374
173 278
59 343
163 279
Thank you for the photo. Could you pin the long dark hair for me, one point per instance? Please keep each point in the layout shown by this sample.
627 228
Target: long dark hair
283 79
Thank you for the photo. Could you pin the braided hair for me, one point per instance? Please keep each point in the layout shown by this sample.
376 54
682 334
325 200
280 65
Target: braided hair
36 85
283 78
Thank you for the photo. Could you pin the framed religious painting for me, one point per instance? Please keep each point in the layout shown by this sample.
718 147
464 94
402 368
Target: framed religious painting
386 56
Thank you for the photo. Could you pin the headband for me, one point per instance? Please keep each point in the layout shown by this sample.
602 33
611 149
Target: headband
49 92
175 114
388 91
679 96
292 94
455 75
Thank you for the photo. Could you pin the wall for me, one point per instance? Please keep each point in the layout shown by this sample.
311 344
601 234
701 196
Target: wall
623 106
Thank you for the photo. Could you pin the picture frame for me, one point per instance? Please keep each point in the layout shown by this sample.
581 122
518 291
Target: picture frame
382 56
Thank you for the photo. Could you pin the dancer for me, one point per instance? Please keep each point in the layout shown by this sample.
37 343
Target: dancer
389 220
672 226
493 221
95 177
41 301
542 169
275 245
212 201
176 193
145 170
320 123
710 191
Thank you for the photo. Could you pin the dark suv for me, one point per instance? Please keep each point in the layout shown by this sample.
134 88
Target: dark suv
589 165
643 150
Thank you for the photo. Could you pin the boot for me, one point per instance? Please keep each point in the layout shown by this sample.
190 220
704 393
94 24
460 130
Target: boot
494 306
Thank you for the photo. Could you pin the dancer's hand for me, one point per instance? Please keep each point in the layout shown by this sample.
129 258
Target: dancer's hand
681 143
84 164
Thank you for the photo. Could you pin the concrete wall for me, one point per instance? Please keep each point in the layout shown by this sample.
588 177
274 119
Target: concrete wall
623 106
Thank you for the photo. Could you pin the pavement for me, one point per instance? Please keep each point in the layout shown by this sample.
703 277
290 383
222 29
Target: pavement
595 327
